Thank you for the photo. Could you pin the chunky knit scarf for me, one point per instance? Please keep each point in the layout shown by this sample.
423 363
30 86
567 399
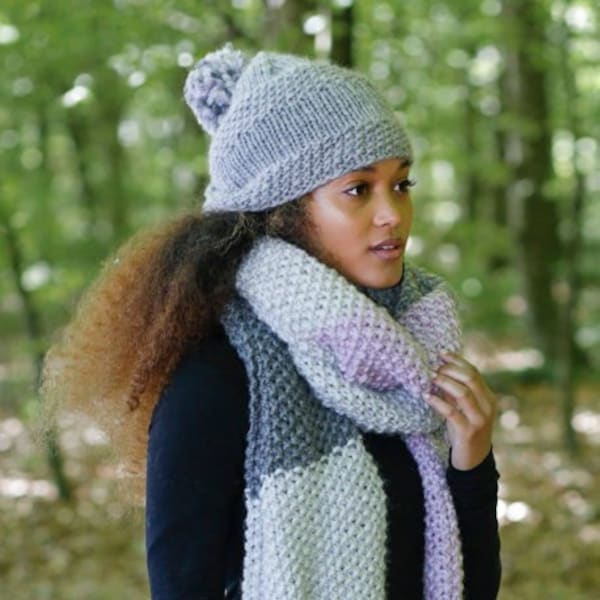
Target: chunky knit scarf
326 360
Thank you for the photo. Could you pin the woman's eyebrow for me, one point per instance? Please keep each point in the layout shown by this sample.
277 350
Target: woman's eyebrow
370 168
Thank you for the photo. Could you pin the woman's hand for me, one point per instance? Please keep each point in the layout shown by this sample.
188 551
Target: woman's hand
469 407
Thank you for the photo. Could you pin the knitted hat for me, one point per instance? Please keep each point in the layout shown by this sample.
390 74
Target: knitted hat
282 125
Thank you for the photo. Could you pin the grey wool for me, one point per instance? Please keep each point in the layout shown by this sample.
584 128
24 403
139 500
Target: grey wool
282 125
325 360
316 517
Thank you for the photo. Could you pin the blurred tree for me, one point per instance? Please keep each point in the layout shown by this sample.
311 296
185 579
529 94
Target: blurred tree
534 215
34 331
96 141
342 30
283 25
572 239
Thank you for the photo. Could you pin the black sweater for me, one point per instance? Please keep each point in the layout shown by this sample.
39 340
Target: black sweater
195 481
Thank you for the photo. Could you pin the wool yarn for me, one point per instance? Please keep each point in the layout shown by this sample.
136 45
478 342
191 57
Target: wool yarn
282 124
326 360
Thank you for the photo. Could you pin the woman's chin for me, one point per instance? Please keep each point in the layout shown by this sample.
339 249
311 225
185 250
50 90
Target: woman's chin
377 279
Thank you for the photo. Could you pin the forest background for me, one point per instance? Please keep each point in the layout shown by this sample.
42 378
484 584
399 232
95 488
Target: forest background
502 102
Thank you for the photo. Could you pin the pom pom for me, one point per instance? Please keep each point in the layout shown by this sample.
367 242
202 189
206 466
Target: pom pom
210 84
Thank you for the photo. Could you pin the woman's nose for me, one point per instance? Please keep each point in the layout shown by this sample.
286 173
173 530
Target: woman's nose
388 210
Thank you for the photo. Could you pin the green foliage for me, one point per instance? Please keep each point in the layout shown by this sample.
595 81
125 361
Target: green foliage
96 142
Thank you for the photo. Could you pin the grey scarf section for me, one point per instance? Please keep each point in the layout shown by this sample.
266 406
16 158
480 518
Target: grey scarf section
326 360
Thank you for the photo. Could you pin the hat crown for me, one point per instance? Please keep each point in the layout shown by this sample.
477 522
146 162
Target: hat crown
283 124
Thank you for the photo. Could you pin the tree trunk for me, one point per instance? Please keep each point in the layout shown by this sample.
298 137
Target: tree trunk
111 109
342 24
499 212
473 191
34 331
283 25
79 136
533 217
571 282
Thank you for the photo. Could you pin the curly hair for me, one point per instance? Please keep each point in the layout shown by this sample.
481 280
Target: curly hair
159 294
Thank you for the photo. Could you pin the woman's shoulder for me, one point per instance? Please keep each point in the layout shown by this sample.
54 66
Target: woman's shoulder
207 381
212 353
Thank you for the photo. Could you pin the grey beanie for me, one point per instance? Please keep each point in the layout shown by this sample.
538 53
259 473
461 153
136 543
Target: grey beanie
282 125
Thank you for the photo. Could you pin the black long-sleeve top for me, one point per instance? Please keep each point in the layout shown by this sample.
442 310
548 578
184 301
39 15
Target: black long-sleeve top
195 480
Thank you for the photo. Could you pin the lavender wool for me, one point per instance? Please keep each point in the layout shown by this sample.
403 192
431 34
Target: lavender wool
325 360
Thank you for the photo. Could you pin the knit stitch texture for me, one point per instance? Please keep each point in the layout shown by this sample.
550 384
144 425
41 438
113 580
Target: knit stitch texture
326 360
283 124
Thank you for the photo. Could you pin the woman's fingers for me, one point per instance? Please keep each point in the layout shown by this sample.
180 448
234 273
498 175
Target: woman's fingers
462 396
449 411
464 372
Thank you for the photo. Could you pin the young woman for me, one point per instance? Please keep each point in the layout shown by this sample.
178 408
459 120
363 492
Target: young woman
297 406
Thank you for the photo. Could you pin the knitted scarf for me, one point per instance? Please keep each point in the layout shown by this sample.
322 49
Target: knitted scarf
325 360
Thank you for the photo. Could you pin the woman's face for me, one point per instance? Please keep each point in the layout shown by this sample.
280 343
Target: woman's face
356 212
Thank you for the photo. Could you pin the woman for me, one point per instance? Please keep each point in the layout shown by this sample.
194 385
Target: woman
313 431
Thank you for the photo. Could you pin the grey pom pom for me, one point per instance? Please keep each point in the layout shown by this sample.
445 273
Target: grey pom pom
210 84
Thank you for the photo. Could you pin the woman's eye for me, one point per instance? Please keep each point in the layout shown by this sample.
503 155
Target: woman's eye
359 187
406 184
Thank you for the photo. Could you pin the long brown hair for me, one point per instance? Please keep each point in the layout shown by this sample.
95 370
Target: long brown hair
159 294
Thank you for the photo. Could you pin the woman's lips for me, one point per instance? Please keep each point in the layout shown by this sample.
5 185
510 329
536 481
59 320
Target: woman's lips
390 254
389 249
